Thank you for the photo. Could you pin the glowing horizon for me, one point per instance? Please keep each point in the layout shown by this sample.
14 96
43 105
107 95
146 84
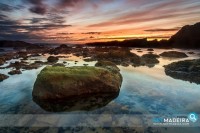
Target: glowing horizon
83 21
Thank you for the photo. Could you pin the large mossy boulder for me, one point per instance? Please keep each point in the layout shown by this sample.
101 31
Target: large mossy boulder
58 88
59 82
188 70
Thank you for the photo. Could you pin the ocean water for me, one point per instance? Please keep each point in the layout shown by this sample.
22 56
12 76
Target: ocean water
144 92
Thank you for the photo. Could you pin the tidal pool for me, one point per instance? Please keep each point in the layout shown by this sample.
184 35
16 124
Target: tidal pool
144 91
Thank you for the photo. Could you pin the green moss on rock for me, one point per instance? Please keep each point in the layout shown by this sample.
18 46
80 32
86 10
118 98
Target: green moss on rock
62 83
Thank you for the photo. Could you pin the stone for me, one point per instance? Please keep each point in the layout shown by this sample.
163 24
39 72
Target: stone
61 83
188 70
52 59
3 77
173 54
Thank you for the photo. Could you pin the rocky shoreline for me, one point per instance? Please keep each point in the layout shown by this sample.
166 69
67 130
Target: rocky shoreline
188 70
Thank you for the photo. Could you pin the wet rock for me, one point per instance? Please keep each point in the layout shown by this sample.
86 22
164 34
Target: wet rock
119 56
61 83
63 46
2 61
135 60
108 65
88 59
173 54
23 65
191 53
188 70
14 72
52 59
150 49
150 59
3 77
35 55
150 52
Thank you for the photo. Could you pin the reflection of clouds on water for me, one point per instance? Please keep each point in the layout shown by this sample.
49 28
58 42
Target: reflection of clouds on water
144 91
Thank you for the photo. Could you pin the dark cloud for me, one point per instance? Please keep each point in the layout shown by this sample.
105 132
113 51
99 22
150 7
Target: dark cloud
14 30
92 33
35 2
163 30
2 16
37 6
38 10
48 19
65 33
68 3
56 18
36 20
8 8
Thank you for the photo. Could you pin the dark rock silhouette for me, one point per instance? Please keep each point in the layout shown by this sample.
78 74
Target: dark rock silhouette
187 37
188 70
18 44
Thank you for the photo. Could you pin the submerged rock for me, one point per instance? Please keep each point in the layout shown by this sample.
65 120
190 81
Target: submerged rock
52 59
150 49
3 77
14 72
62 85
188 70
173 54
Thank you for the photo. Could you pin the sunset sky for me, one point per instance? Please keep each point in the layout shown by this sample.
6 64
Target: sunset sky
82 21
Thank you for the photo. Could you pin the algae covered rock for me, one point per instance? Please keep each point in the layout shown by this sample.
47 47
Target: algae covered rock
188 70
57 87
59 82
